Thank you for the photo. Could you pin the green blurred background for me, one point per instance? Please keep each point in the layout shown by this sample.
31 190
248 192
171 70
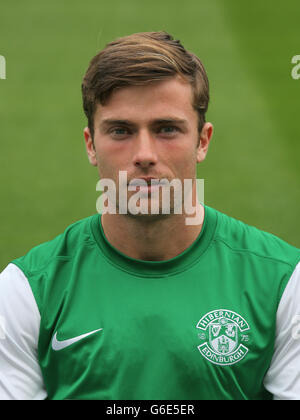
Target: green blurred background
252 170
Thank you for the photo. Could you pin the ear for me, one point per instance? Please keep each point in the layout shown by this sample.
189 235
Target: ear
90 148
205 138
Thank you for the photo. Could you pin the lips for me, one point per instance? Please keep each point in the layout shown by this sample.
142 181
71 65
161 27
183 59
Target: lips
141 181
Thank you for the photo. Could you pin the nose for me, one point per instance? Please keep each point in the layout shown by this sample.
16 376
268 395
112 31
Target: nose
144 150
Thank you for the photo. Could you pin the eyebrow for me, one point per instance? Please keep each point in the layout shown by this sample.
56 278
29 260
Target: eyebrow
168 120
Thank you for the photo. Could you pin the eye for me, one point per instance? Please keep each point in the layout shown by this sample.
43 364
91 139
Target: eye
168 130
119 132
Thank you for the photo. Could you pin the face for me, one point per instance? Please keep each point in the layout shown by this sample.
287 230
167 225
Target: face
148 131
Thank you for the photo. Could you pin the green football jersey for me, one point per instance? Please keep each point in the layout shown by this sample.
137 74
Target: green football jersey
198 326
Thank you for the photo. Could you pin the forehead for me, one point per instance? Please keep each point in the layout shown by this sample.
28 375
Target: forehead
172 98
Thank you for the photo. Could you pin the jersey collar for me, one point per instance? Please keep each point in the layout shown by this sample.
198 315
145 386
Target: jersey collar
169 267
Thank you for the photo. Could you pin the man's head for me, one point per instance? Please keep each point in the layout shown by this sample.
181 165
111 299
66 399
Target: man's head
140 59
145 98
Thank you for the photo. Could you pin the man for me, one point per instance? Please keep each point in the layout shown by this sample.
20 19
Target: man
142 305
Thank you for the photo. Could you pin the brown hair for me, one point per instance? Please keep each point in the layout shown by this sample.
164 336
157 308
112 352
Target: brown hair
139 59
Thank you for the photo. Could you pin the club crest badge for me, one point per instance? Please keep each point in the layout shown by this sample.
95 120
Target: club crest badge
224 335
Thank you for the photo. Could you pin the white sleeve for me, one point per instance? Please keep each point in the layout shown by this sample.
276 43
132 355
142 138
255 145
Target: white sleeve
20 373
283 376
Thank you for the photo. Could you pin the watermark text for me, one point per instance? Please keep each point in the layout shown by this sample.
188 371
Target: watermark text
296 69
163 196
2 328
296 327
2 67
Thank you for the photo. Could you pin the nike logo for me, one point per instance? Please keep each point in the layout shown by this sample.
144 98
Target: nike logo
60 345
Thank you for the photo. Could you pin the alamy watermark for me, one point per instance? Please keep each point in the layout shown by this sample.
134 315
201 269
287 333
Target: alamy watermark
2 328
2 67
296 69
296 327
176 197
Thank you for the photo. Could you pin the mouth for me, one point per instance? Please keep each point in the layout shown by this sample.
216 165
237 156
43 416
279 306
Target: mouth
146 185
141 182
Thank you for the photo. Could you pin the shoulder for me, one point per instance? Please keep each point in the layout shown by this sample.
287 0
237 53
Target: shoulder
63 247
242 238
20 376
282 378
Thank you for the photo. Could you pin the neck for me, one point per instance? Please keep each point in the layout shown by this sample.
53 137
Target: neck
152 237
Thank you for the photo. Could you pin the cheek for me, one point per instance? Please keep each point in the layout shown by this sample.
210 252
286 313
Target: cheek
185 164
105 166
106 159
107 172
